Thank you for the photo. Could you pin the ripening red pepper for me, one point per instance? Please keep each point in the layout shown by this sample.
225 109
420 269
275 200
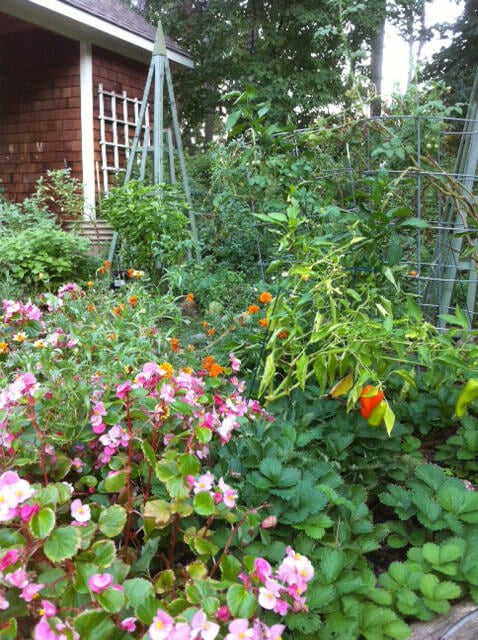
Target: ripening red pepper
370 397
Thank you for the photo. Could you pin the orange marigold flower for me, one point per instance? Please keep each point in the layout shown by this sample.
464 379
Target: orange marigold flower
205 324
133 300
111 336
91 307
265 297
4 348
283 335
190 297
107 264
263 322
131 273
100 270
252 308
174 344
117 311
211 332
215 370
208 362
167 368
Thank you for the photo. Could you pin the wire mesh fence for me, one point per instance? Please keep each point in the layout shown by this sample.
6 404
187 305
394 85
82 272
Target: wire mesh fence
431 164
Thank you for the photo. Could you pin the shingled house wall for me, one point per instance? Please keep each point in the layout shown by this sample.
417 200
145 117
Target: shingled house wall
39 109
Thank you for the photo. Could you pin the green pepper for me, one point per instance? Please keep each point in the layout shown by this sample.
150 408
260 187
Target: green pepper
466 397
376 417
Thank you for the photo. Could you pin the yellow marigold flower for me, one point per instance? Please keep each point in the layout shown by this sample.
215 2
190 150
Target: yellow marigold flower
263 322
252 308
4 348
167 368
187 370
265 297
20 336
205 324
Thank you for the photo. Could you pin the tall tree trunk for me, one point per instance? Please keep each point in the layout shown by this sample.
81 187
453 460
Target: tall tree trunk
376 65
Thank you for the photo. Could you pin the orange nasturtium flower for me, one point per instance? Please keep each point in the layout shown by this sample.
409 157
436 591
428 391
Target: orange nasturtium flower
265 297
263 322
174 344
370 397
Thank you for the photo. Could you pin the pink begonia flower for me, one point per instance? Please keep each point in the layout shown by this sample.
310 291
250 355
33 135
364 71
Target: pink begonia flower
11 557
204 482
223 614
226 428
239 630
161 626
48 609
181 631
42 631
281 607
263 569
268 633
77 464
167 393
235 363
295 569
4 604
229 495
18 578
128 624
266 598
80 512
27 511
202 628
122 390
30 592
99 582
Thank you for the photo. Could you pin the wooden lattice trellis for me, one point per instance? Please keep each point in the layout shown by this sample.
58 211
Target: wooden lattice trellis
118 117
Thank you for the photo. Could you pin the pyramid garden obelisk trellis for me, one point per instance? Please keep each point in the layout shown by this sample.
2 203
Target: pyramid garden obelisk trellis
168 141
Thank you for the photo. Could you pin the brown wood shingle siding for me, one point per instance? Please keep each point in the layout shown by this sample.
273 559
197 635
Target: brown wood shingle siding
39 109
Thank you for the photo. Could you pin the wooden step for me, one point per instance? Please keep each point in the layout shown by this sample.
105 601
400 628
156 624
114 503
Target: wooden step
98 232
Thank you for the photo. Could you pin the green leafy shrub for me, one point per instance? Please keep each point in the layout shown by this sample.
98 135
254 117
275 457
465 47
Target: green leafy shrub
44 256
152 223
